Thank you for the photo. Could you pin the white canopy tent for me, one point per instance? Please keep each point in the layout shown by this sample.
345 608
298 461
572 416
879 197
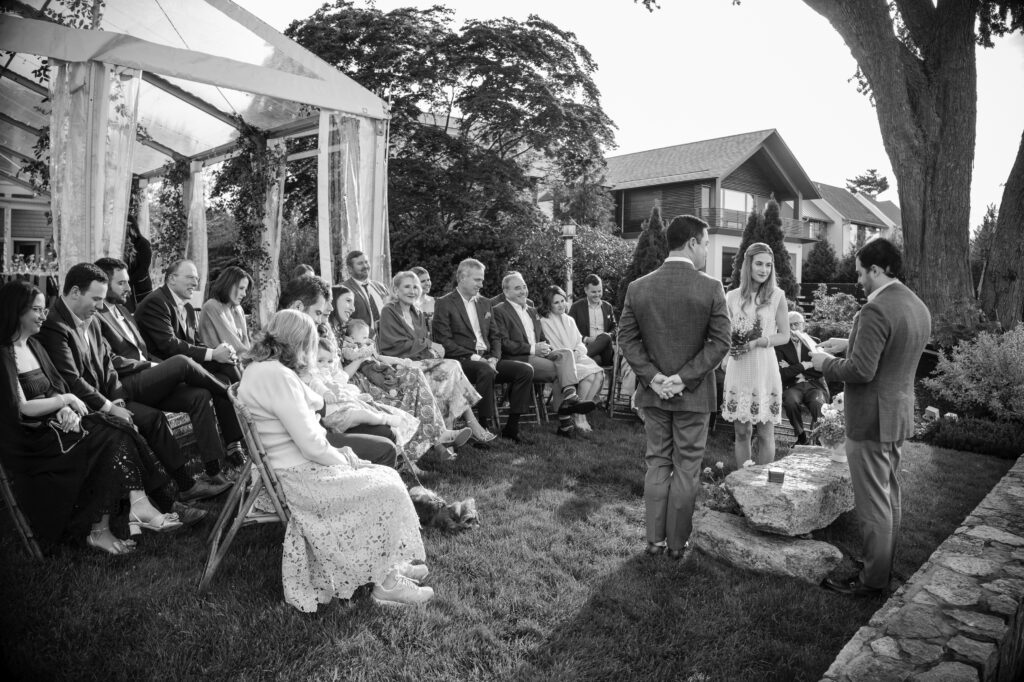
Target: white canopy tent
157 80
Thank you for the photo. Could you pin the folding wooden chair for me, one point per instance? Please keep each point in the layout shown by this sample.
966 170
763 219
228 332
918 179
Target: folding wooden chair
239 509
20 522
538 416
619 403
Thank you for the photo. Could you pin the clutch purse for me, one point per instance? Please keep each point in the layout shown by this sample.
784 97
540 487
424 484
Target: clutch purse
67 440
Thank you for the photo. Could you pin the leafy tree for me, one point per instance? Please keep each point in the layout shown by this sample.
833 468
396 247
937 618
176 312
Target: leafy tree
821 263
504 98
917 61
650 252
981 245
585 202
767 228
870 183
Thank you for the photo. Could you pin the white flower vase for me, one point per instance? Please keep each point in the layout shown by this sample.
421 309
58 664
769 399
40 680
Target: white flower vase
838 452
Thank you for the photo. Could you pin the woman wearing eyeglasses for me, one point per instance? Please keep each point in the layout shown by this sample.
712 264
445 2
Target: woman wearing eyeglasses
71 468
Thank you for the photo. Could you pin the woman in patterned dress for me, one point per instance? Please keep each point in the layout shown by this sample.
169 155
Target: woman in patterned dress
752 393
352 522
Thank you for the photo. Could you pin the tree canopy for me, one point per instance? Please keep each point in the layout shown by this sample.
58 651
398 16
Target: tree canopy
869 183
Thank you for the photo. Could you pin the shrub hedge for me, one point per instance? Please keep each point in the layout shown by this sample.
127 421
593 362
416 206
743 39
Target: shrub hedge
1004 439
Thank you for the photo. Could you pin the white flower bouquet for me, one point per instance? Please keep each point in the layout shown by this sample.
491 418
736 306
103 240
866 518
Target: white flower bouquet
831 429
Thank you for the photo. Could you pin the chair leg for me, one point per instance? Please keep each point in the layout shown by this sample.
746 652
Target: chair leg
234 499
220 545
20 522
539 409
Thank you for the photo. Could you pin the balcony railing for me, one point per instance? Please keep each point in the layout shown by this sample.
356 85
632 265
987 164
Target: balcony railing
729 219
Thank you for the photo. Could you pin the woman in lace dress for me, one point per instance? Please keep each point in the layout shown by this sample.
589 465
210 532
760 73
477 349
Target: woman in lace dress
562 333
352 522
752 393
72 467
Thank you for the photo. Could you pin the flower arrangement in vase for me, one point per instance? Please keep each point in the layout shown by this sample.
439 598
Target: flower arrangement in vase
831 429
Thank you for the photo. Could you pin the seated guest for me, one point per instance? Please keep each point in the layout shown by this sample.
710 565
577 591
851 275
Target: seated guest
801 383
374 442
403 334
561 332
370 295
301 270
222 319
74 341
522 338
426 302
178 384
464 327
71 466
170 325
595 320
501 298
352 521
356 344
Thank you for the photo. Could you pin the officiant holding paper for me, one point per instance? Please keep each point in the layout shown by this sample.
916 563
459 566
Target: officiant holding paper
802 385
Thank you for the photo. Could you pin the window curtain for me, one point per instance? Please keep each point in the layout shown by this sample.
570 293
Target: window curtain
270 287
92 140
351 195
196 250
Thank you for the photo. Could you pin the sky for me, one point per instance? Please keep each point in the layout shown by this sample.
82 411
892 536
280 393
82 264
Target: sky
700 69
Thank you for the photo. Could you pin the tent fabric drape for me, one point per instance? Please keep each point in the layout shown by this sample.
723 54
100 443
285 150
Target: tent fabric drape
92 138
350 151
197 251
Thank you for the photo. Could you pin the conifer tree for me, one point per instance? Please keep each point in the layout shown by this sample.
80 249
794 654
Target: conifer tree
821 263
752 234
767 229
651 251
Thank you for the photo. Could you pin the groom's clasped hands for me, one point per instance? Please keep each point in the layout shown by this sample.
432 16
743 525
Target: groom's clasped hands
667 386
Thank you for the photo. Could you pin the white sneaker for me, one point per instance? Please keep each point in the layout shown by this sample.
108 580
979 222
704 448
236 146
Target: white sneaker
404 593
412 571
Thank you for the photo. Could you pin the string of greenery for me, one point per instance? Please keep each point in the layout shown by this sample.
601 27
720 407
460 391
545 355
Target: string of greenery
170 215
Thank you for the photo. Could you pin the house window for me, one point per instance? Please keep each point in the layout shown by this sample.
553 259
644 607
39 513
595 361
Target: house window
705 196
738 201
727 255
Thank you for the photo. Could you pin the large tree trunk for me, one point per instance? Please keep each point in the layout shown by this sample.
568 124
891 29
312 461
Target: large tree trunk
927 110
1002 290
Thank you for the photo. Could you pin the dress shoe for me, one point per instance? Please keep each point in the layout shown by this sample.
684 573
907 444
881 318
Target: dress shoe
201 489
573 405
676 554
189 515
852 586
654 550
801 439
566 432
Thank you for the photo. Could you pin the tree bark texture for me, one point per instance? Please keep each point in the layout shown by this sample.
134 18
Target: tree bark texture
926 101
1002 290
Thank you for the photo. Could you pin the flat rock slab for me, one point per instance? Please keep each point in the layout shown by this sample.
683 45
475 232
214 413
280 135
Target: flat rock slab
814 493
728 538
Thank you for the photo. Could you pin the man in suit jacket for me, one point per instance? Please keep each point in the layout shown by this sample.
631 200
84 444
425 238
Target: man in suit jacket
178 384
674 331
370 295
73 341
500 298
464 325
521 337
596 321
801 383
885 345
169 324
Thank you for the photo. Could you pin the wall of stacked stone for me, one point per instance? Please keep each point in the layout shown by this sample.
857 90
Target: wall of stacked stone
961 616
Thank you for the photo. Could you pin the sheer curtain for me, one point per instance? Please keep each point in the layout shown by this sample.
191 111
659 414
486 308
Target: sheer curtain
197 251
270 287
92 136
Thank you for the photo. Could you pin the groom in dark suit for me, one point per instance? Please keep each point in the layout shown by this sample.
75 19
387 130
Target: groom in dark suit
802 385
674 331
464 325
885 345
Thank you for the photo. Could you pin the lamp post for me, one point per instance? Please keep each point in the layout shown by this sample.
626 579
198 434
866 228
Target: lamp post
568 232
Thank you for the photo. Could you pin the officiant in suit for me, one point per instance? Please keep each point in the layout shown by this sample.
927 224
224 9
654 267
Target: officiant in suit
178 384
674 331
370 295
464 325
802 385
169 324
885 345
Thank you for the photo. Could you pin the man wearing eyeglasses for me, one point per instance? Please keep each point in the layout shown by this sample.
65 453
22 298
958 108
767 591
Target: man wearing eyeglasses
801 383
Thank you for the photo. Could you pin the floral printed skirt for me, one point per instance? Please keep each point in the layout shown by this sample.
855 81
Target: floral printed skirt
753 388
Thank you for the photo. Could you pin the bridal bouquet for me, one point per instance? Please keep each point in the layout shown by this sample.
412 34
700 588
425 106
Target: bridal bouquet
743 332
831 429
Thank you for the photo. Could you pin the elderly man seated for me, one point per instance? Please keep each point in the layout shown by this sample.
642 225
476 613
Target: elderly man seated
521 338
801 383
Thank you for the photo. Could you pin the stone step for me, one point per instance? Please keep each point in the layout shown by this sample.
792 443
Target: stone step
814 493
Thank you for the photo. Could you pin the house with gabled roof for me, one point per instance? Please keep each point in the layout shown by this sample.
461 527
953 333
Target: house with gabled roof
848 219
721 181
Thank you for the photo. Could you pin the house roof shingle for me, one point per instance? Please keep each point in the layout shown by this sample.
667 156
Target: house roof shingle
848 206
891 210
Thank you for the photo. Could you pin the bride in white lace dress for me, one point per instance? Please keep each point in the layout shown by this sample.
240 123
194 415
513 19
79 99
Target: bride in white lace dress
352 522
752 393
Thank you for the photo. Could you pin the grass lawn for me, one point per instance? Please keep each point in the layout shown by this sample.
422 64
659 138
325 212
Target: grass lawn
552 586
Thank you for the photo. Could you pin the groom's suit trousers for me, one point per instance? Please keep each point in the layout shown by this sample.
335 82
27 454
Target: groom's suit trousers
874 471
675 449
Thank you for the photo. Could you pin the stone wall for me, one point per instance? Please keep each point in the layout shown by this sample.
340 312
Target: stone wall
961 616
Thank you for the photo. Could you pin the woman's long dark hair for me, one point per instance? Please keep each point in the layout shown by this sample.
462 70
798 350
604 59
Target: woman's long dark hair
16 297
544 309
226 281
337 291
